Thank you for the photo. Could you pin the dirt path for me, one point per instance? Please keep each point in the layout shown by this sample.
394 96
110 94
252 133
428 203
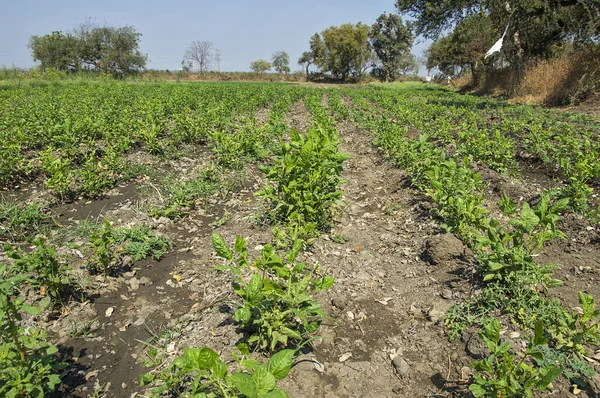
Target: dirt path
386 298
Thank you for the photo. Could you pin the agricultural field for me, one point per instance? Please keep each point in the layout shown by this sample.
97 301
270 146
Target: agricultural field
273 240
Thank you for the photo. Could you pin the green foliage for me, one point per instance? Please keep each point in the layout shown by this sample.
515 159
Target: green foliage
501 374
343 50
260 66
507 251
280 62
113 50
304 181
48 273
28 364
109 246
277 306
391 40
181 196
573 332
18 219
200 372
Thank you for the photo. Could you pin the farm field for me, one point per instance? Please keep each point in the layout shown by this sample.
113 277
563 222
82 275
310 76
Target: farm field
272 240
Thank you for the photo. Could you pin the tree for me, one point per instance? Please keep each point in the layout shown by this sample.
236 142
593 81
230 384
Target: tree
533 27
56 51
407 64
391 40
260 66
114 50
345 50
281 62
200 53
316 52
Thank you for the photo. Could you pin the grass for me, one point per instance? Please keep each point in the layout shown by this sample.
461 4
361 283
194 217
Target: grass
19 220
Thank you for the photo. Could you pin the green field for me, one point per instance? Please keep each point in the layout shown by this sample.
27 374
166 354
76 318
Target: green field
120 199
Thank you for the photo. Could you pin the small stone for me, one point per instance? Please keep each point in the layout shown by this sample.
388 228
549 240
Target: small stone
124 386
447 294
345 357
339 301
109 311
401 366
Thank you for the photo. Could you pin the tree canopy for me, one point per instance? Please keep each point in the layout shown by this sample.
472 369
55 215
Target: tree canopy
281 61
260 66
341 50
114 50
392 41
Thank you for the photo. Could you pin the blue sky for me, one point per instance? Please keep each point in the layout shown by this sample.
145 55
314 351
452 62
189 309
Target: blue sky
243 31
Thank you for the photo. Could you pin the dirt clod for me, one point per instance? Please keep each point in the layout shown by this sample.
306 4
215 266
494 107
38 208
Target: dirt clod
442 248
401 366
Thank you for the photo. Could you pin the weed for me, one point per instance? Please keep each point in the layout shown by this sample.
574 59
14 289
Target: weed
19 220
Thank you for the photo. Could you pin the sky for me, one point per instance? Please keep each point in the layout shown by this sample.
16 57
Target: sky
244 31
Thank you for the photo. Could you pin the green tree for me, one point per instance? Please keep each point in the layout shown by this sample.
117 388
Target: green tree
281 61
533 27
260 66
464 48
56 51
316 52
392 40
346 50
114 50
407 64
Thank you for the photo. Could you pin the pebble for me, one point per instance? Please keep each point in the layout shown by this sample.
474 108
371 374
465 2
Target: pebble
401 366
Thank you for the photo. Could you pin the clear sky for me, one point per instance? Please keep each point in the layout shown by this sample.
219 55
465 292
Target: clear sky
244 31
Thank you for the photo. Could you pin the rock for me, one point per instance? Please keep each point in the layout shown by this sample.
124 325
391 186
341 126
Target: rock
441 248
127 262
401 366
339 301
437 310
447 294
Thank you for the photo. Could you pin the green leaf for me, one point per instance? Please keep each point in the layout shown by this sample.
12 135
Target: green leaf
276 393
477 390
240 244
281 363
221 247
199 358
539 338
528 218
253 290
264 380
325 282
219 368
245 384
492 330
551 373
242 315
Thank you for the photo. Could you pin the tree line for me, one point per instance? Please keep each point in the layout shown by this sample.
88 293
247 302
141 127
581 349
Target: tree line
350 50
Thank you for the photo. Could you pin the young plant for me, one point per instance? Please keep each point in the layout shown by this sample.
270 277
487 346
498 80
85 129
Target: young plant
501 374
49 274
200 372
28 365
573 332
305 178
507 251
277 306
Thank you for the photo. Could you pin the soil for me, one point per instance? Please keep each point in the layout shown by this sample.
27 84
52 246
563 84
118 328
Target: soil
395 275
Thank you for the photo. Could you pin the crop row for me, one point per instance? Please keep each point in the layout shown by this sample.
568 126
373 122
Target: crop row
510 278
